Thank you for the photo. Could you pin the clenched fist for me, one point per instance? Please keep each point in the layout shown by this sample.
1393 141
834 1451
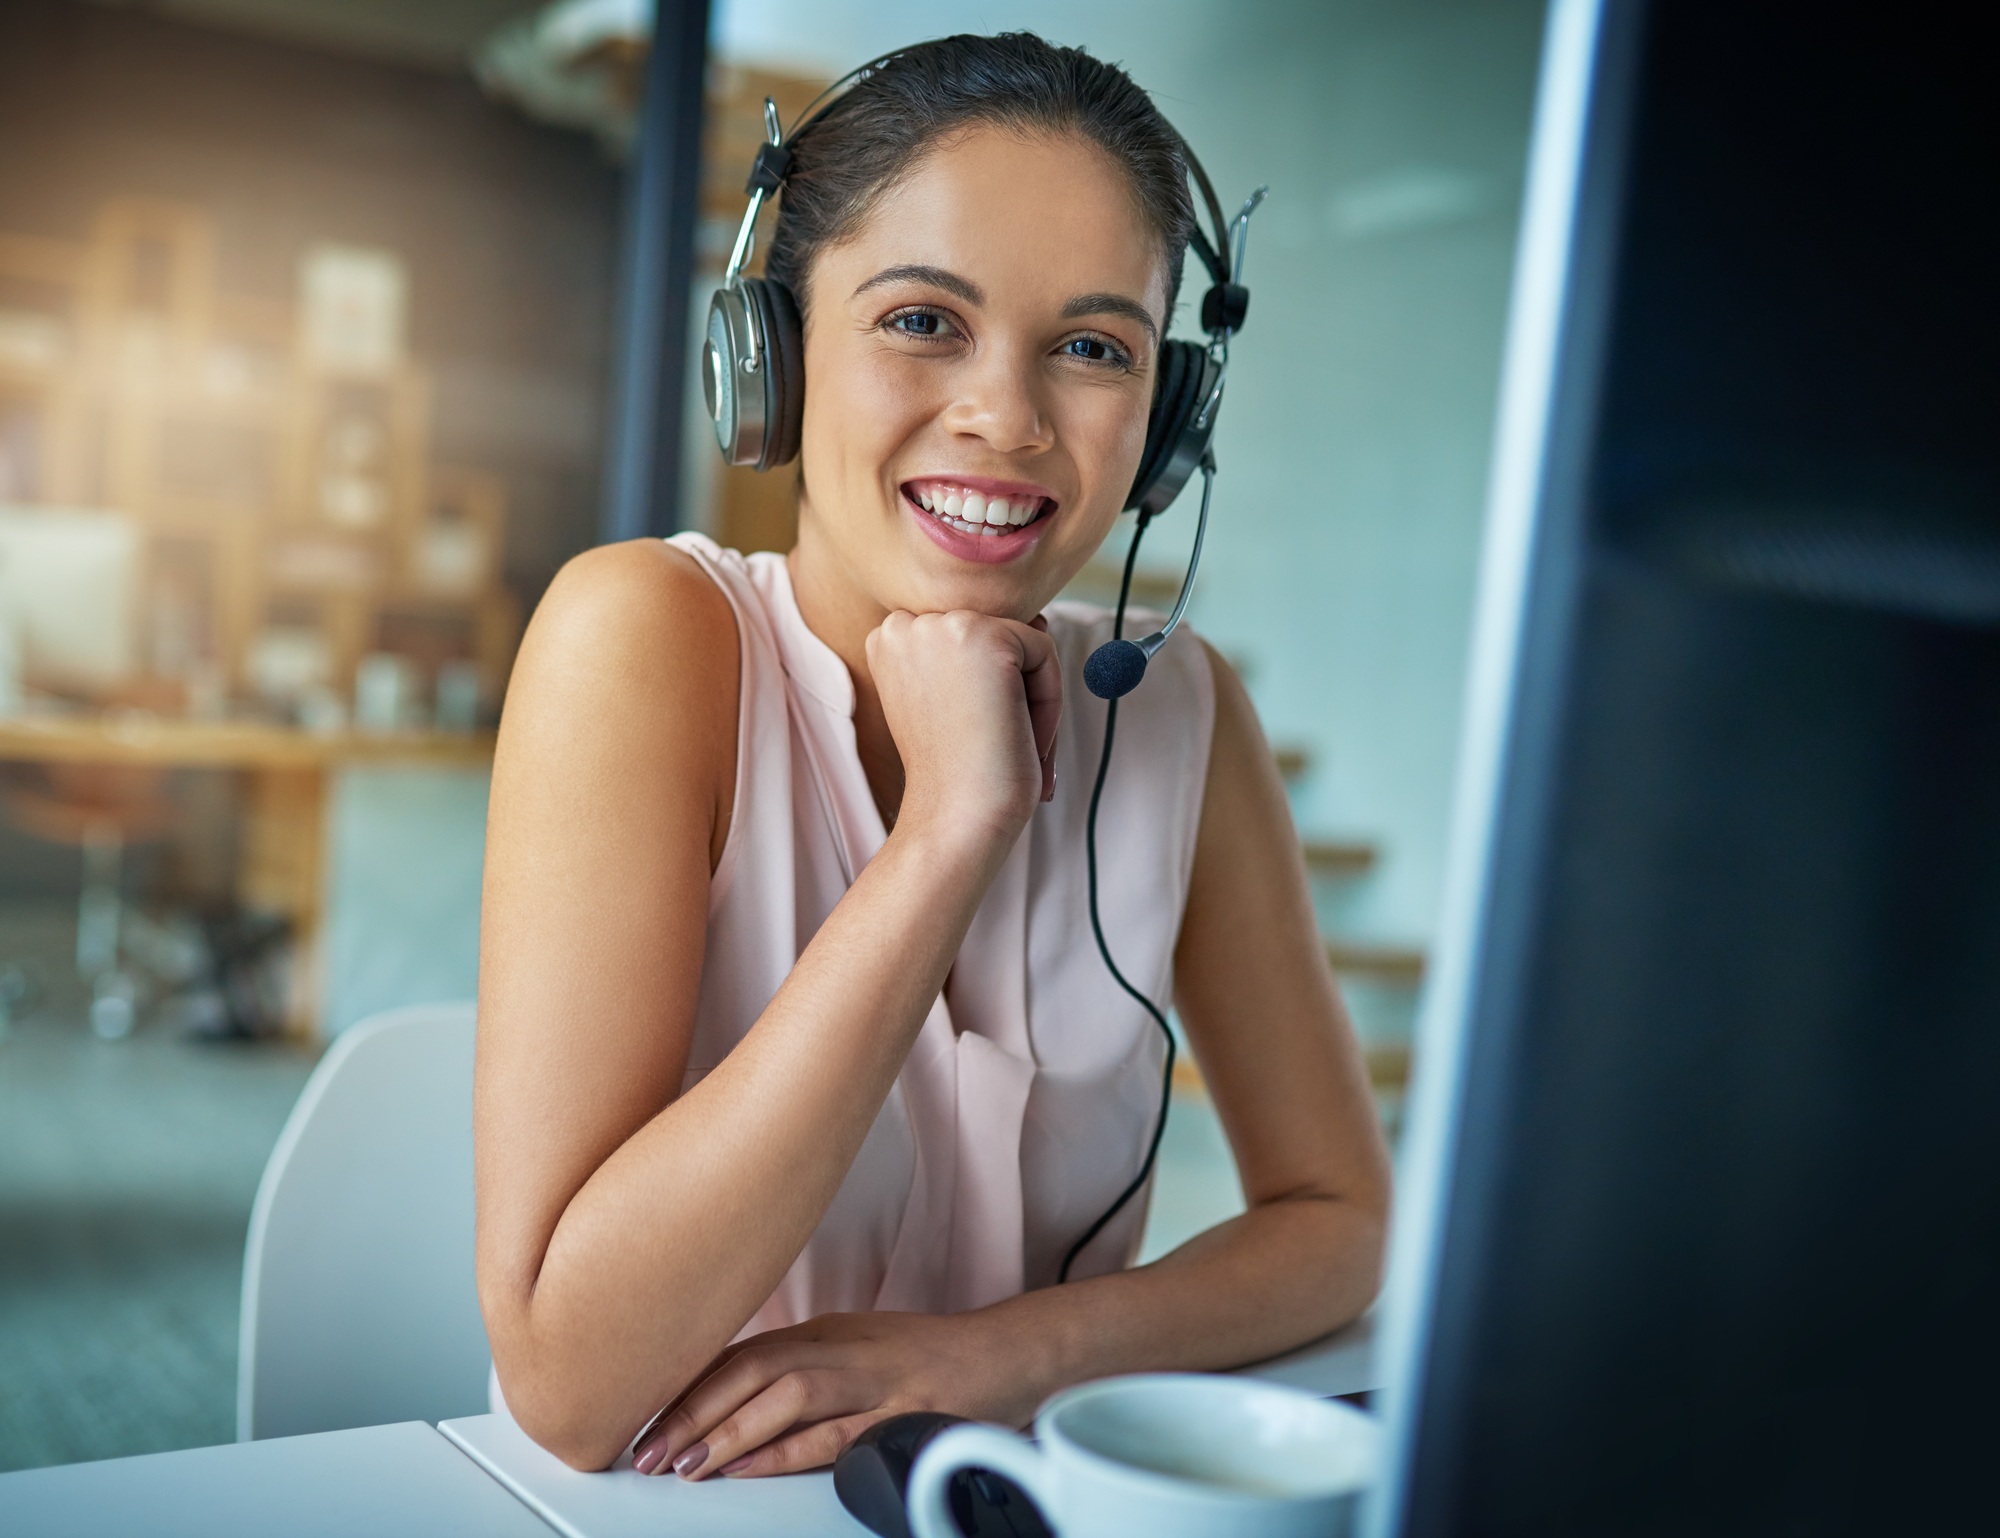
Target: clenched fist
973 702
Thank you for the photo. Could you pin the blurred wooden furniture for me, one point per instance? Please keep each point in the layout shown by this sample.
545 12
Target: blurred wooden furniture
278 461
100 810
286 773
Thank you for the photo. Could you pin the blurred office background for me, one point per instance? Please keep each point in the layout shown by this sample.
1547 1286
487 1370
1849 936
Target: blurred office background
309 360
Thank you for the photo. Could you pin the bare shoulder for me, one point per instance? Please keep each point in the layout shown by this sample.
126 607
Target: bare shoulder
641 605
1239 747
632 654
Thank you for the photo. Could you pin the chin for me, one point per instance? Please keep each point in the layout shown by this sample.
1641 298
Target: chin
1006 595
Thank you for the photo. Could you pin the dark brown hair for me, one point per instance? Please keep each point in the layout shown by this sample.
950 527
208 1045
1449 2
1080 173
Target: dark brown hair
900 110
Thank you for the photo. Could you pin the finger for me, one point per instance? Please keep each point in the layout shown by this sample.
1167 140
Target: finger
810 1332
804 1447
893 625
793 1399
658 1423
1041 675
747 1371
1041 622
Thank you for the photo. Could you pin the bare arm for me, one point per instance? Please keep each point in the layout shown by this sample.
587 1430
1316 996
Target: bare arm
625 1234
1268 1028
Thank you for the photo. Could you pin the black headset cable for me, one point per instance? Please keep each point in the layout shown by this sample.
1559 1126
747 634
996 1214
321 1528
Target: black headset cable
1097 929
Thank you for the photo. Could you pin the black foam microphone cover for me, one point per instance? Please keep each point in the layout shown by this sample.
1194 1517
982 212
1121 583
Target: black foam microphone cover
1114 669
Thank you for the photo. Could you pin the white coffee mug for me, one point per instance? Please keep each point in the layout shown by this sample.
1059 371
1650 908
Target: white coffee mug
1170 1455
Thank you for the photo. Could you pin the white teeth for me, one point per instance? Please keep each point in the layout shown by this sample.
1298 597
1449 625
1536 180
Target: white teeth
973 512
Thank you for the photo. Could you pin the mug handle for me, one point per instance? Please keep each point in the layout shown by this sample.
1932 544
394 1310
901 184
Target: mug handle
972 1447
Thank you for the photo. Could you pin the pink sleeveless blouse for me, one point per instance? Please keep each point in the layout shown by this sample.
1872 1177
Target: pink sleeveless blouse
1026 1104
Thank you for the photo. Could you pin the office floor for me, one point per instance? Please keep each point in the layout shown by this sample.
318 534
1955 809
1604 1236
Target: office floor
126 1175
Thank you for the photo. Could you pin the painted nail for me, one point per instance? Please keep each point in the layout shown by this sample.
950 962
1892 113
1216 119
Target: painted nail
691 1460
651 1456
737 1466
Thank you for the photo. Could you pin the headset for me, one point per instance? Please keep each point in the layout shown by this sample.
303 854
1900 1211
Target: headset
753 382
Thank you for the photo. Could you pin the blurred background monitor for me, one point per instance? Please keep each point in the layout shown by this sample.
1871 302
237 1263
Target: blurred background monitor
1701 1222
67 586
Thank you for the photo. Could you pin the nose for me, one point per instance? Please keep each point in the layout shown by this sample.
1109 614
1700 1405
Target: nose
998 400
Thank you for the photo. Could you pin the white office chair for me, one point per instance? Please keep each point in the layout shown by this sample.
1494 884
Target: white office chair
359 1304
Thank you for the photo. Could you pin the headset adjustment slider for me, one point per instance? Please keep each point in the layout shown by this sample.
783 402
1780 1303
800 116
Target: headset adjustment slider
768 173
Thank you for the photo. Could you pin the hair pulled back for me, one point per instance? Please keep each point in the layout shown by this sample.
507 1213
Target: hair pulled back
874 133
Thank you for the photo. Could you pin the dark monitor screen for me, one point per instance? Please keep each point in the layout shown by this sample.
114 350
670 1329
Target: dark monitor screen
1701 1218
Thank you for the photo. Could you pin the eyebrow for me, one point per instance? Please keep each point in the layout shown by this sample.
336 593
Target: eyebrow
972 293
1112 304
937 277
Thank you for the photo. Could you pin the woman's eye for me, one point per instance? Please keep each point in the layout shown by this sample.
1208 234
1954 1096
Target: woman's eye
920 323
1093 349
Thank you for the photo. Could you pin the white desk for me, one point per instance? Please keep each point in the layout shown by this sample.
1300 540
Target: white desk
402 1481
622 1502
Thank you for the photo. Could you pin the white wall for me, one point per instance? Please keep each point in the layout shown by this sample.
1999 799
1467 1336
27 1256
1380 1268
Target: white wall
1353 445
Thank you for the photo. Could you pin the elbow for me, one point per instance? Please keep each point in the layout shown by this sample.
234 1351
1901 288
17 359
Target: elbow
574 1444
560 1407
568 1379
1353 1225
1365 1236
560 1421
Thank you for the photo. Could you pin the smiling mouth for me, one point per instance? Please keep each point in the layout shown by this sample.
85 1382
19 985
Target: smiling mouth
977 513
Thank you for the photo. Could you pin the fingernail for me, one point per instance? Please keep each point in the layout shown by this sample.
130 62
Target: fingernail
691 1460
739 1465
651 1456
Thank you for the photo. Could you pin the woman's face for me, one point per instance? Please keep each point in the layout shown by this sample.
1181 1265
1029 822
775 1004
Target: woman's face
979 364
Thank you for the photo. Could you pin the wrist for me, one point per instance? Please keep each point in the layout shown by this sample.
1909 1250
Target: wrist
960 832
1032 1347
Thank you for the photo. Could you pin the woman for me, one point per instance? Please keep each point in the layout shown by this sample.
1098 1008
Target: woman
799 1073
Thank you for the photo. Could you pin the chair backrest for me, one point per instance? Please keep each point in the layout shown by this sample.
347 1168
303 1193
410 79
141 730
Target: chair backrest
359 1304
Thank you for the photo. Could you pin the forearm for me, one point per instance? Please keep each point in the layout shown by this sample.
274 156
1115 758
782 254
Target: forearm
680 1235
1279 1275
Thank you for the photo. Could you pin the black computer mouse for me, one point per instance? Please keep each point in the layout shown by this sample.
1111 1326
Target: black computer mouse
873 1474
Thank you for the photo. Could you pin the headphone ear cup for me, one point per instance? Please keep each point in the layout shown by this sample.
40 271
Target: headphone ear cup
1174 445
734 397
784 380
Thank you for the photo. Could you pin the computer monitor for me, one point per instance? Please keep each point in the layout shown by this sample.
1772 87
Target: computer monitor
1700 1221
68 582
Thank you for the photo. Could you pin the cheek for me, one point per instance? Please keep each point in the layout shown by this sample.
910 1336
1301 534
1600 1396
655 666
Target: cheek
1107 431
860 404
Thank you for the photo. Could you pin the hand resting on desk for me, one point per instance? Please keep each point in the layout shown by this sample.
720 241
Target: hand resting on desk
792 1399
